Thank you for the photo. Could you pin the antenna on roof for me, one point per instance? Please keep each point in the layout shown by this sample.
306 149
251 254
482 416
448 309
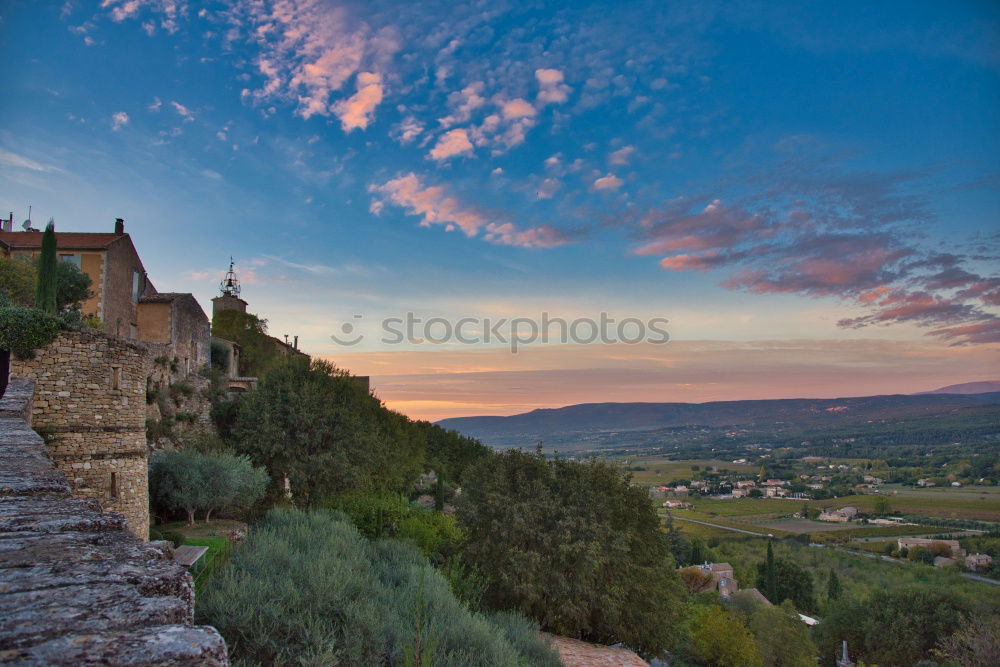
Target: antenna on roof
26 225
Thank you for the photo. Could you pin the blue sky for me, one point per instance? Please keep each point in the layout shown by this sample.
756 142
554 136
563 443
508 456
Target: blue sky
752 171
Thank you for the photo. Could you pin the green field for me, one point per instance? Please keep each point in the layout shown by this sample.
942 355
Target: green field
661 470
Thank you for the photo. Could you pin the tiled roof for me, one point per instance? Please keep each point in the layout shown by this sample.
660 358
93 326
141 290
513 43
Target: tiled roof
576 653
64 240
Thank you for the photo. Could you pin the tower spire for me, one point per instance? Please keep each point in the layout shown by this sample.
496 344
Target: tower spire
230 286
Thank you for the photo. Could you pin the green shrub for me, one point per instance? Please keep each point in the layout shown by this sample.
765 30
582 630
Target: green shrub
306 588
390 515
24 330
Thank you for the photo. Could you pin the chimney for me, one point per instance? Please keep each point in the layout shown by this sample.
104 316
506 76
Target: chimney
8 224
296 346
119 226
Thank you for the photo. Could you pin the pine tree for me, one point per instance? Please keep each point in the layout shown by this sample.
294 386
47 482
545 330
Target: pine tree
46 288
833 586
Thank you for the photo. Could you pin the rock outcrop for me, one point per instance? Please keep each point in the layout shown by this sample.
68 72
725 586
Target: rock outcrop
76 587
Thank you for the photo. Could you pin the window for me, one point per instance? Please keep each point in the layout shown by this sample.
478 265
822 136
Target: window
70 258
116 377
135 285
113 486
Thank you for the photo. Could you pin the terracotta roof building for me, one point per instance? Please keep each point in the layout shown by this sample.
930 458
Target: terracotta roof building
118 278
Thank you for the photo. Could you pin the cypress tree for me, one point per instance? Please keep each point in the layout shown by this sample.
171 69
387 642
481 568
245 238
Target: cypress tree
46 288
833 586
770 575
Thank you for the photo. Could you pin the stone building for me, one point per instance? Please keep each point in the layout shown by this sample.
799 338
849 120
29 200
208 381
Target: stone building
176 321
90 403
118 278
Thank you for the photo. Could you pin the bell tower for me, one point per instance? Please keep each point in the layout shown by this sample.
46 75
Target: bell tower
229 293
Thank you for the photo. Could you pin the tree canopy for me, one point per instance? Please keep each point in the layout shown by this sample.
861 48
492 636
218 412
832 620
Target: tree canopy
892 626
320 428
572 545
192 481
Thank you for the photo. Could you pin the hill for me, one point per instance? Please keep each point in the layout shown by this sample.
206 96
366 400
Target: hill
585 421
967 388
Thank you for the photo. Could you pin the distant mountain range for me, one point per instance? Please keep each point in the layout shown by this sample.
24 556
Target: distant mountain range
818 413
967 388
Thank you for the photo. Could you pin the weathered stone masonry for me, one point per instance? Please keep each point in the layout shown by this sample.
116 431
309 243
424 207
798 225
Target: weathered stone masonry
76 588
90 402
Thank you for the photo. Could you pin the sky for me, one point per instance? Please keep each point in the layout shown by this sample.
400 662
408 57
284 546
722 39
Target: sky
810 198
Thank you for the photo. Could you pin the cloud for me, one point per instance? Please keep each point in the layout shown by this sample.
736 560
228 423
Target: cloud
450 144
119 119
310 48
551 89
182 111
155 105
850 236
609 182
463 103
409 129
621 156
20 162
359 109
436 206
517 108
171 11
548 188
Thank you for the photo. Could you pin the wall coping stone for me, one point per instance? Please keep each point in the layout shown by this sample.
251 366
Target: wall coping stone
76 588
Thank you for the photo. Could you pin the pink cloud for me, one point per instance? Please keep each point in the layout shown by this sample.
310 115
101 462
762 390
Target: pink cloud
551 89
517 108
450 144
359 109
119 119
621 156
609 182
463 103
436 206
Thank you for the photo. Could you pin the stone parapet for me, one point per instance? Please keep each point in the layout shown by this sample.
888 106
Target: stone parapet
76 587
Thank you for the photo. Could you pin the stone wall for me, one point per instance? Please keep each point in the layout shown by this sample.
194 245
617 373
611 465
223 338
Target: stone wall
90 403
75 587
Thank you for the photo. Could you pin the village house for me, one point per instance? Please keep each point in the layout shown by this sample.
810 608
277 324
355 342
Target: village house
843 515
746 484
723 580
657 491
775 492
978 562
124 299
118 278
740 493
680 490
913 542
676 504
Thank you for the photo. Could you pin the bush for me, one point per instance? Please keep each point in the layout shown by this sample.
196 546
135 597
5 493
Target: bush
390 515
24 330
306 588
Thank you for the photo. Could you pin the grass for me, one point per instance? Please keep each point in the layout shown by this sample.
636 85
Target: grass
219 549
211 534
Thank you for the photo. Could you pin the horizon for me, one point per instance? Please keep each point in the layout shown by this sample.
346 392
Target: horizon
786 398
809 200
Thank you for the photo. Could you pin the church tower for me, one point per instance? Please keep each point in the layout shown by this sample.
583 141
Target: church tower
229 293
